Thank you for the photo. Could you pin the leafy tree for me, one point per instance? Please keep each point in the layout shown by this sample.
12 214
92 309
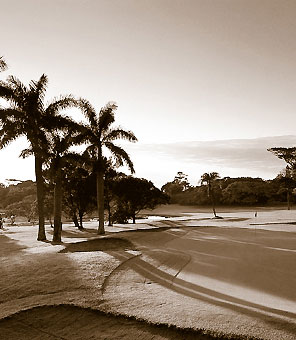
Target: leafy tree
209 180
287 182
27 115
249 191
182 180
98 134
79 192
287 154
135 194
177 186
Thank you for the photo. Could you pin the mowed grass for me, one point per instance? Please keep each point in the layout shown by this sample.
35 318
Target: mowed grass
88 273
35 273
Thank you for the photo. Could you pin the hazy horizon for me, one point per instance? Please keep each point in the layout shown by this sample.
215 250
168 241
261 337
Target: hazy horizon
160 162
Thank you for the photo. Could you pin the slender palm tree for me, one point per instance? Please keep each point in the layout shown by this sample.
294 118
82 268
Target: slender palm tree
209 179
98 135
58 157
27 115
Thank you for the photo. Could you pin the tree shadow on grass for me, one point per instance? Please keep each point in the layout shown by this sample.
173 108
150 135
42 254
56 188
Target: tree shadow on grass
100 244
76 233
262 260
276 317
8 246
29 277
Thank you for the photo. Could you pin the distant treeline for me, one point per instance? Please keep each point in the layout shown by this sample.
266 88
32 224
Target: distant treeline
125 196
246 191
18 199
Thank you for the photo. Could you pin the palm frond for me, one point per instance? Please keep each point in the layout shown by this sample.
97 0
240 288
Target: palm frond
10 114
120 156
5 90
9 124
38 90
119 133
106 116
61 103
3 65
9 132
59 124
26 152
19 89
72 157
89 112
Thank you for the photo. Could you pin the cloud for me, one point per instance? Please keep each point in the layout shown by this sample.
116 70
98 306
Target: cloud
160 162
235 157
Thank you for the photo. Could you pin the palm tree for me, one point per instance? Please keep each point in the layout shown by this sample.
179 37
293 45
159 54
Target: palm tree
58 157
98 134
209 179
27 115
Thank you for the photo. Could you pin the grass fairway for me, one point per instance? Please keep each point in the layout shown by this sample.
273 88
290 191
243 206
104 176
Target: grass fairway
232 278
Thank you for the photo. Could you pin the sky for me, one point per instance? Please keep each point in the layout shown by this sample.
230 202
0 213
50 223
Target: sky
191 75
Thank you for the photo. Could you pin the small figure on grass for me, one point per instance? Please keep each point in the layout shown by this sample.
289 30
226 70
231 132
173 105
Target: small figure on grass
12 219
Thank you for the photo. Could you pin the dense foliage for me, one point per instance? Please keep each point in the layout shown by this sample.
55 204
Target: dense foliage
246 191
132 195
19 199
125 197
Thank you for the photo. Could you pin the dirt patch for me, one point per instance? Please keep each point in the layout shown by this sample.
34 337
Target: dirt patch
100 244
71 322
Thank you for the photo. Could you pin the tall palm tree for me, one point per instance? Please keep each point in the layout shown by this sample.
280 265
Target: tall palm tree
59 156
99 134
209 179
27 115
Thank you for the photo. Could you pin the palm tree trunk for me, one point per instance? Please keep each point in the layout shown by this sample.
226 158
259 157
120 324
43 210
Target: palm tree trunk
213 203
100 201
40 198
57 229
